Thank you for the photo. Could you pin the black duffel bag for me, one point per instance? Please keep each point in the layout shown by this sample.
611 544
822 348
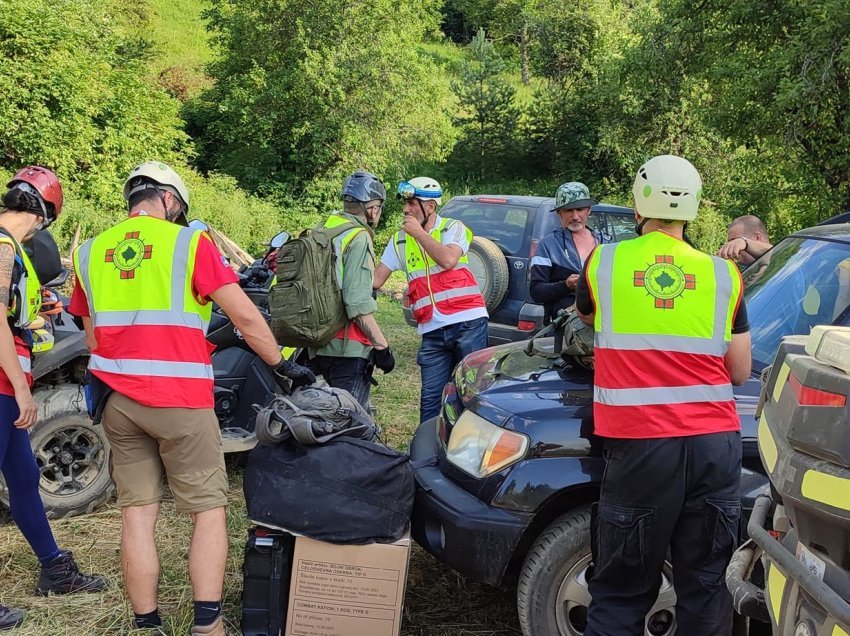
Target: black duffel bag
344 491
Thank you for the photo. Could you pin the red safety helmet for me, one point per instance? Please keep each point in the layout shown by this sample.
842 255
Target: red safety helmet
46 184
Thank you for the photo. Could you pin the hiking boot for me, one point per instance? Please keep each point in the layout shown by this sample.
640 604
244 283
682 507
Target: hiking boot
62 576
11 617
216 628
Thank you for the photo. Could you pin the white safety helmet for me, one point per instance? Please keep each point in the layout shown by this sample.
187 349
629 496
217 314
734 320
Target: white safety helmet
162 174
667 187
427 189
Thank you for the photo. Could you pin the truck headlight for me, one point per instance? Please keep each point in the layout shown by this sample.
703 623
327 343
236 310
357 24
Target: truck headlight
480 448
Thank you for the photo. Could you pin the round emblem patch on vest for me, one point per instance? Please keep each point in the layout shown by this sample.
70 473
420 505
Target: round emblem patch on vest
665 281
129 254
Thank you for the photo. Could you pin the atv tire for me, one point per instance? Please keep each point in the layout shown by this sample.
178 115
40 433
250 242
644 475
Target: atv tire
72 455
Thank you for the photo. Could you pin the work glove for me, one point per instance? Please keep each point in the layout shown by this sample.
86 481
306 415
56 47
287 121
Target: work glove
297 375
383 359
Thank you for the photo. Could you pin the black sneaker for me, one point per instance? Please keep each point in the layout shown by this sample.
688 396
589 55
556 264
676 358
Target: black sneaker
11 617
62 576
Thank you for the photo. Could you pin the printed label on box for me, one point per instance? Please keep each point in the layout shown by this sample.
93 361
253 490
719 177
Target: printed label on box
343 582
340 590
309 617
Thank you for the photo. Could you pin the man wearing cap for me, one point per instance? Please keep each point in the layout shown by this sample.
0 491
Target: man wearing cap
560 256
444 296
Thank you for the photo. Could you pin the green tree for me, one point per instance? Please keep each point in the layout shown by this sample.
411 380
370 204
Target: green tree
308 91
74 98
488 115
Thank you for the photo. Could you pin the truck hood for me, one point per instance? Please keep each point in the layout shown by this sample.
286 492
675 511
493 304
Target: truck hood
511 388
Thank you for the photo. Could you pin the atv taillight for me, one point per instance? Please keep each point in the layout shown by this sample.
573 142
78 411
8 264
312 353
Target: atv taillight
808 396
526 325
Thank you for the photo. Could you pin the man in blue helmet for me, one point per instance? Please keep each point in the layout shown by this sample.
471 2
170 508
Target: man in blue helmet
347 361
559 259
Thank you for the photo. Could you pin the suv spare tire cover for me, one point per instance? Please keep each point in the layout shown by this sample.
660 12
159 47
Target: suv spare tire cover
490 268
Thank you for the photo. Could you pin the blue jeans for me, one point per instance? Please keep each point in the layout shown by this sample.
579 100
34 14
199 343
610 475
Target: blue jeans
438 355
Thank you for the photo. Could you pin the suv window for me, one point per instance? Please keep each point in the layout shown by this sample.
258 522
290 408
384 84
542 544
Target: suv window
623 226
797 285
502 224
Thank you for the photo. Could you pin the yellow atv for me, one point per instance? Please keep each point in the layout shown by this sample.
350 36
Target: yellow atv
801 532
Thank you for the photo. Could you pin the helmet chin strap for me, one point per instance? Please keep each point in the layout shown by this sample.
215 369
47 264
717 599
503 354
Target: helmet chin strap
425 216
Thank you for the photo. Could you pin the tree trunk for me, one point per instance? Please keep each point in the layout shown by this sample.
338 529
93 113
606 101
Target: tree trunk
523 53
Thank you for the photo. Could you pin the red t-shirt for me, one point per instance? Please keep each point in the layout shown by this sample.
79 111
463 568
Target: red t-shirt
211 273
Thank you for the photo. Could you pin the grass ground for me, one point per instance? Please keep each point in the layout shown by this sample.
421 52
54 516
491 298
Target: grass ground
439 602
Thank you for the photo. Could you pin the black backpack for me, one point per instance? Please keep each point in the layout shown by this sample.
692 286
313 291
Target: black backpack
347 490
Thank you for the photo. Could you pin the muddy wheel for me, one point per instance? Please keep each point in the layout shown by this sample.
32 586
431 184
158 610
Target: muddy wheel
71 453
552 595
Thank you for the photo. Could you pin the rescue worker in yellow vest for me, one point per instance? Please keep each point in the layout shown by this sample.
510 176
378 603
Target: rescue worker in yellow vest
347 361
671 339
444 296
143 289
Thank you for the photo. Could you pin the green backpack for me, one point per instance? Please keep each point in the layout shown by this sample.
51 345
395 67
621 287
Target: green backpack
306 304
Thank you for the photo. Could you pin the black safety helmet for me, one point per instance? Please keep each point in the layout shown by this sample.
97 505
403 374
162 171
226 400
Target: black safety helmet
363 186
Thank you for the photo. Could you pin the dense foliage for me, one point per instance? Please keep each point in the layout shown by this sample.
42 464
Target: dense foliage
75 96
298 94
307 92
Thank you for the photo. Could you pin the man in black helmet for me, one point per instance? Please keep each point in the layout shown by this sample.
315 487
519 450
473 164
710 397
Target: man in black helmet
346 362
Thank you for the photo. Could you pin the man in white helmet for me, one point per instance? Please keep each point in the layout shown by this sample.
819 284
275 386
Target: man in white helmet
671 338
444 296
144 289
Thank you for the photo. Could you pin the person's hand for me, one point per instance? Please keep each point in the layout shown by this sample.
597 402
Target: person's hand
383 359
28 408
572 281
733 249
412 227
297 374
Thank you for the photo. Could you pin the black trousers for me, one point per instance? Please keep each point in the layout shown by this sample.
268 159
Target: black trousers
352 374
678 493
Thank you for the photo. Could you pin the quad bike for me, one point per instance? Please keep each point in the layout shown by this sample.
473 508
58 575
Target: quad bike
73 454
800 532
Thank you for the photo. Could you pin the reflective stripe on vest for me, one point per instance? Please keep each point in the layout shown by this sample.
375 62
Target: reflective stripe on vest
158 368
175 316
445 295
26 302
429 285
340 243
26 364
664 395
657 295
151 302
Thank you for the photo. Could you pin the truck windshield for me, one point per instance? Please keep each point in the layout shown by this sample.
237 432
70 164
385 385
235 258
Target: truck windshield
800 283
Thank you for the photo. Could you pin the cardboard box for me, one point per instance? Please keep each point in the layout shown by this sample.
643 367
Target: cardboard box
347 590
